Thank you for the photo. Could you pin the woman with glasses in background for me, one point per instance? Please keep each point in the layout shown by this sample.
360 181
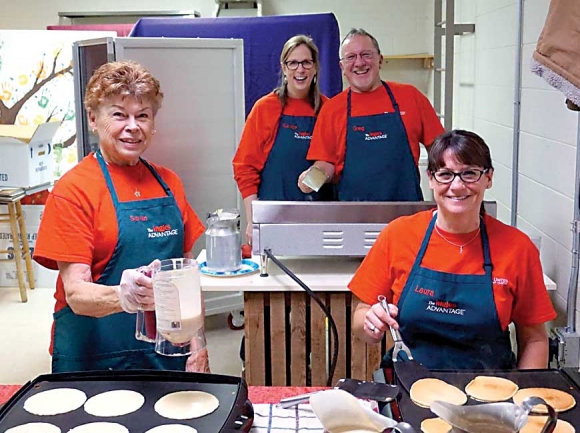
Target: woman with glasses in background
367 137
455 277
272 150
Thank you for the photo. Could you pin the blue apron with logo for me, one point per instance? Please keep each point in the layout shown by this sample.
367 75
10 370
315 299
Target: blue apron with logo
378 163
450 321
287 160
83 343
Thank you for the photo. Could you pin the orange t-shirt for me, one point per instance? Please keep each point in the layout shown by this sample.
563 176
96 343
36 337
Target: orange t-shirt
518 283
329 137
79 223
258 138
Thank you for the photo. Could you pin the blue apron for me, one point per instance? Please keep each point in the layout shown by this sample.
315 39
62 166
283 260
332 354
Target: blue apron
83 343
287 160
450 321
378 163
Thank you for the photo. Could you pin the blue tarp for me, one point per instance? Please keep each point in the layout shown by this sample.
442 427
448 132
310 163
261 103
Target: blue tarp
263 38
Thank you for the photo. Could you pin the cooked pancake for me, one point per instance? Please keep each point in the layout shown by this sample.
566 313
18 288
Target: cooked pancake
55 401
100 427
559 400
186 404
435 425
114 403
172 428
34 427
491 389
535 424
425 391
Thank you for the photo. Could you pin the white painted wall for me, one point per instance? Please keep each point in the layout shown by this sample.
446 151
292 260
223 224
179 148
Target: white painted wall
484 95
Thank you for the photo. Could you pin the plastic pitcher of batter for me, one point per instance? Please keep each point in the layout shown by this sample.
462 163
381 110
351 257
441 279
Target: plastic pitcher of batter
178 307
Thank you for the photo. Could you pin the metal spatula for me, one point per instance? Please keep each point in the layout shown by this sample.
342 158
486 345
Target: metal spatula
382 392
407 371
492 417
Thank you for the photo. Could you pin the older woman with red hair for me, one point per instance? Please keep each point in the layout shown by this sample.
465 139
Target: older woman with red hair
95 231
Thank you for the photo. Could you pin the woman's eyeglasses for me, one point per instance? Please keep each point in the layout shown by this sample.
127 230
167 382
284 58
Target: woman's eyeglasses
293 64
365 55
468 176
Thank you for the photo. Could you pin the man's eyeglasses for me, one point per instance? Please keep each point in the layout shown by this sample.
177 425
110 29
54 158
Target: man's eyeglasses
293 64
365 55
468 176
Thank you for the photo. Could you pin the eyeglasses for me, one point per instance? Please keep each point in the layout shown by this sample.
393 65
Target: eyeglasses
365 55
293 64
468 176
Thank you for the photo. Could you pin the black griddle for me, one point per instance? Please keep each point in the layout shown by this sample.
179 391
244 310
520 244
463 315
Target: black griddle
557 379
234 414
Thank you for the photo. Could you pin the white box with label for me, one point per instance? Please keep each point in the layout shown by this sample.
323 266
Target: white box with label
43 277
27 158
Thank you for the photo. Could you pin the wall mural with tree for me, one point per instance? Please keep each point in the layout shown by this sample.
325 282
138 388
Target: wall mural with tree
36 85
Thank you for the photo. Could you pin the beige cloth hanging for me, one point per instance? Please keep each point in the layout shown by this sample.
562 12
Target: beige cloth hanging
557 54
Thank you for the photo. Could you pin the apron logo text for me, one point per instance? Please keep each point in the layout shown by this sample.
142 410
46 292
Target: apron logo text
302 135
138 218
445 307
500 281
358 128
161 231
379 135
288 126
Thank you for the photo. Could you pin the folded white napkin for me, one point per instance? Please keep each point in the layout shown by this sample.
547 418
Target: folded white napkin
339 411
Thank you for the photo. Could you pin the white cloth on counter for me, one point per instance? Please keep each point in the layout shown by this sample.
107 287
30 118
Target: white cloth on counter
269 418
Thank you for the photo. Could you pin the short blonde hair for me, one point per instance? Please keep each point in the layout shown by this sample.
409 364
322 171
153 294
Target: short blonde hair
124 78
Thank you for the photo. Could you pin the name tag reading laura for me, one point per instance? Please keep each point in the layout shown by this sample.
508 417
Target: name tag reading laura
314 178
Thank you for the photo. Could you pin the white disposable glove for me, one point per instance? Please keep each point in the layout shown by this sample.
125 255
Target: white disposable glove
136 290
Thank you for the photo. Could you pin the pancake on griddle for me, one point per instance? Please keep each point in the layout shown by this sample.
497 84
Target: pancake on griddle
55 401
536 423
34 427
186 404
435 425
172 428
561 401
491 389
114 403
100 427
425 391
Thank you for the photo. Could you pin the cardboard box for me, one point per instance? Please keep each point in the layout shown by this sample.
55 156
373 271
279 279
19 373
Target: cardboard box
43 277
27 158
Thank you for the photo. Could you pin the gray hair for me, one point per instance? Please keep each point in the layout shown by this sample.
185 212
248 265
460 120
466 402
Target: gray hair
360 32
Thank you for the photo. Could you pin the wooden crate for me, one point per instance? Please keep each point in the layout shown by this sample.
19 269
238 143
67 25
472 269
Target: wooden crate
287 335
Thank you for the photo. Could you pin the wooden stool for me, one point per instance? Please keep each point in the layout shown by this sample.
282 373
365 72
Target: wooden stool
16 219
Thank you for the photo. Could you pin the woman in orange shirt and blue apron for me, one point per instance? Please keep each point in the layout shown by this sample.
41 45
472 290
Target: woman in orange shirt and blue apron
96 225
276 137
457 276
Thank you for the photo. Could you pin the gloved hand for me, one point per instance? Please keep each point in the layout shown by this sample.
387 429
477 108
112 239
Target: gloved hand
136 289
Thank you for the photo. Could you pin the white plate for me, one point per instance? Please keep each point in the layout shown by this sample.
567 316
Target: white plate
248 267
